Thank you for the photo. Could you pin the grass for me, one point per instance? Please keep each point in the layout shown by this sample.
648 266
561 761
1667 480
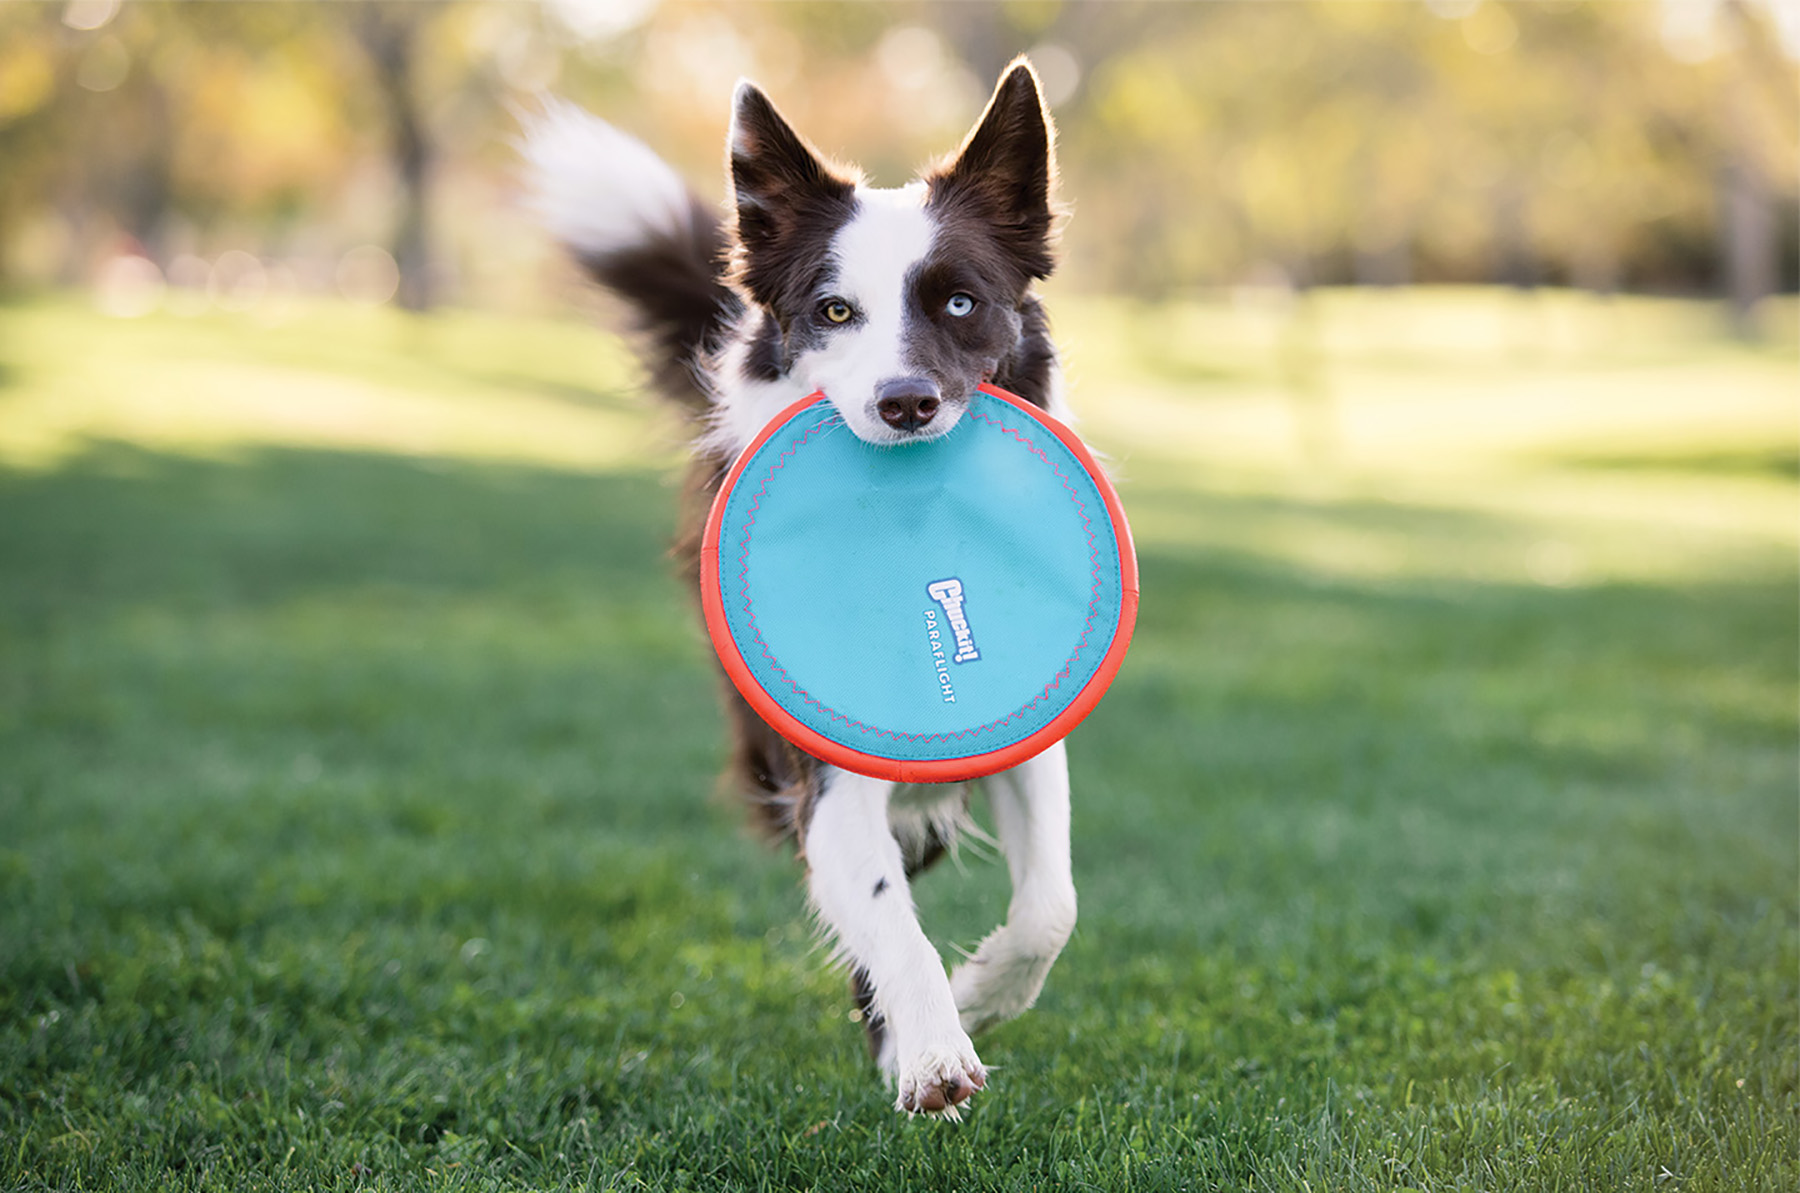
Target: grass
355 752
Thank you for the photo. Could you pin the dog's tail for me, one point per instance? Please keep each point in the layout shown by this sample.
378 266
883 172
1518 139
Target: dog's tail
634 226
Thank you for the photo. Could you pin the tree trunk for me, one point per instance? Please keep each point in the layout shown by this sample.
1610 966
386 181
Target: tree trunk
1746 218
145 190
1747 240
1747 249
390 34
1515 263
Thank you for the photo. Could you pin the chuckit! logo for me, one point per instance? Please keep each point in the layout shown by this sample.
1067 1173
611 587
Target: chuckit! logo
948 593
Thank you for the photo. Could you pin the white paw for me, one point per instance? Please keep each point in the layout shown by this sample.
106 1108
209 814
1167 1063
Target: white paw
940 1079
993 989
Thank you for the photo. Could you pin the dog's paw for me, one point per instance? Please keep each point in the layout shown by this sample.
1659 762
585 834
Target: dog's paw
992 989
939 1080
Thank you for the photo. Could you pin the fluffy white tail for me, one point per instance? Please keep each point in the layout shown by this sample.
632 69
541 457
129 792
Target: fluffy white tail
631 222
594 188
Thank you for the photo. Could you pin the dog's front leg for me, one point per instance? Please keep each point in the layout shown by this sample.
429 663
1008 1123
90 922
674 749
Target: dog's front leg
1030 804
857 878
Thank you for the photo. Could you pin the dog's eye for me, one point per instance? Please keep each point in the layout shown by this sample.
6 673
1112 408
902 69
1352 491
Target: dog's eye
959 305
836 310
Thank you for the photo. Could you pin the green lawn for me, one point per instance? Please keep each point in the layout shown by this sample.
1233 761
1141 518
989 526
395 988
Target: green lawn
1441 832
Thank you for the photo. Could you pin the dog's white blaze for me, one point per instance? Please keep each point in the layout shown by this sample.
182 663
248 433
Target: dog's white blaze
890 233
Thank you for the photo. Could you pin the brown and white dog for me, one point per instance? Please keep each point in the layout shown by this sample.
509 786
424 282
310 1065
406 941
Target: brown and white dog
896 304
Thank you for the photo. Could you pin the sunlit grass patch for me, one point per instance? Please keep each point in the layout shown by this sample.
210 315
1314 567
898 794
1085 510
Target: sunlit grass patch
326 375
1397 384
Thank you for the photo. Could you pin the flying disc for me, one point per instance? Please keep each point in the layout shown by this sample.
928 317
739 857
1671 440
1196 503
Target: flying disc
924 612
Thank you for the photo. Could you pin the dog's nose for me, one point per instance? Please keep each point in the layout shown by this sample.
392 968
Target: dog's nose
906 403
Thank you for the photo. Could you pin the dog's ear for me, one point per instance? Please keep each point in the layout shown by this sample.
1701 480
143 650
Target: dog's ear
1006 170
780 187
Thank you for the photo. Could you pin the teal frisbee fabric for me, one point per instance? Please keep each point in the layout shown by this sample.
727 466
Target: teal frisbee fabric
930 611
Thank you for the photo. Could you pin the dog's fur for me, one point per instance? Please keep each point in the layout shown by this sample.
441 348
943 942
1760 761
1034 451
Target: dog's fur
896 304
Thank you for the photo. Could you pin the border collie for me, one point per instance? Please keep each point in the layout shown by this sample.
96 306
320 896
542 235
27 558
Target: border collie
896 304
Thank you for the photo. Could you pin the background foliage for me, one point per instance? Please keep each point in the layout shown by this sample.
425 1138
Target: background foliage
1637 145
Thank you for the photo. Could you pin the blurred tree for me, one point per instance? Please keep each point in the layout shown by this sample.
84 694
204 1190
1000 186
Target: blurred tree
30 118
390 33
1747 217
1203 144
166 115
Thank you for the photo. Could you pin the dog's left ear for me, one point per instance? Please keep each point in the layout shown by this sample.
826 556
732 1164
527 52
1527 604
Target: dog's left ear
1006 169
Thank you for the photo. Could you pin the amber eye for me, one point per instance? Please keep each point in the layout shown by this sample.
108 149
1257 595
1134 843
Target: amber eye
836 310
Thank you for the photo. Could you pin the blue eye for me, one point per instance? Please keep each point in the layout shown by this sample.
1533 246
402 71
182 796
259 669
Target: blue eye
959 305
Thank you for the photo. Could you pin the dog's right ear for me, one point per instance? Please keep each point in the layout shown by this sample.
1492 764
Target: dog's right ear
780 185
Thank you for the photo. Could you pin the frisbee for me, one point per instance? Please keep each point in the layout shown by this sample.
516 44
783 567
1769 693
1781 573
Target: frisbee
923 612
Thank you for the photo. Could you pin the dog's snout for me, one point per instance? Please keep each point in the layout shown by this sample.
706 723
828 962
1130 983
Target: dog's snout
907 403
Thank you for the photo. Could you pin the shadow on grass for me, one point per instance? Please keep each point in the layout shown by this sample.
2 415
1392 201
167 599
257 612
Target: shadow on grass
120 527
429 621
1780 463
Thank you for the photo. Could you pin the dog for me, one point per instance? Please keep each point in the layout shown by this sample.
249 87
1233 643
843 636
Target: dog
896 304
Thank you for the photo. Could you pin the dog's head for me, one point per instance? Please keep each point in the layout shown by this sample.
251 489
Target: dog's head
895 303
